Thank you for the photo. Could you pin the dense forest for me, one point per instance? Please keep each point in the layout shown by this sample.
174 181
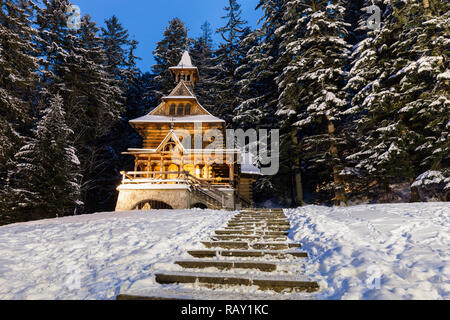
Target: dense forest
363 112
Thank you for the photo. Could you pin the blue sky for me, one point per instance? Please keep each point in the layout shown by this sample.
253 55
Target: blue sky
147 19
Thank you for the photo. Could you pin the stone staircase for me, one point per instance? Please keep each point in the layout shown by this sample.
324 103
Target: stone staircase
251 251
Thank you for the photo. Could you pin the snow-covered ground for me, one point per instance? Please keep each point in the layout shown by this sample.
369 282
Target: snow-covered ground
406 246
96 256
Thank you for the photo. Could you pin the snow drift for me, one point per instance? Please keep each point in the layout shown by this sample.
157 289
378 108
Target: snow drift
398 251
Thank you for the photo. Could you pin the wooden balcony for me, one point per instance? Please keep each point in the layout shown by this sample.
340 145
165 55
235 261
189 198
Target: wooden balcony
172 177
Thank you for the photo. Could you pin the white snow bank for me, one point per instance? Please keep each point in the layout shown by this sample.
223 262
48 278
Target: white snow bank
405 246
96 256
99 256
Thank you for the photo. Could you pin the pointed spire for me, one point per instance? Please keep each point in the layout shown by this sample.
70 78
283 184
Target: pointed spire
185 60
185 71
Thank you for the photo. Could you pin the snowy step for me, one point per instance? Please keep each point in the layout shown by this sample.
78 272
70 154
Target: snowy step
259 219
251 232
178 292
269 229
271 221
277 284
246 253
235 232
227 265
256 224
251 238
256 246
277 219
260 214
275 246
226 244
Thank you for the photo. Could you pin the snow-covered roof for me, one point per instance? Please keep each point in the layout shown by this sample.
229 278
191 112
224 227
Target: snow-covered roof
179 98
185 62
166 119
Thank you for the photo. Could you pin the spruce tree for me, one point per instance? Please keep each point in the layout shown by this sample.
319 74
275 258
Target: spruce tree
46 182
399 82
228 58
119 50
263 65
258 92
102 87
17 84
311 90
167 54
202 53
245 114
76 64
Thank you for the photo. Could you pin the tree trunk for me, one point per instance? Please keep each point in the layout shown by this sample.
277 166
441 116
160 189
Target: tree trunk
297 174
339 193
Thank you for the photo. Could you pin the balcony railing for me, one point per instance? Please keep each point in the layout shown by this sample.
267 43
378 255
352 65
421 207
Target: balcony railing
170 177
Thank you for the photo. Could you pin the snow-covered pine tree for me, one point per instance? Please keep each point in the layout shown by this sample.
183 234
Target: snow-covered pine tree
245 115
258 85
46 182
312 89
119 50
399 84
425 84
99 96
228 58
167 54
258 91
76 66
17 83
367 65
202 53
52 42
137 99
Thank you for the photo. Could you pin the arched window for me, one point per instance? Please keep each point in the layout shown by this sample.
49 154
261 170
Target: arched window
180 109
187 111
172 109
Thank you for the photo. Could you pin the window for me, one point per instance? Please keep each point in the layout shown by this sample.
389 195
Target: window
172 110
188 110
189 77
180 109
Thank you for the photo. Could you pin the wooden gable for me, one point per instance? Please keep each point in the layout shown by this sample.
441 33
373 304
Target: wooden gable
180 102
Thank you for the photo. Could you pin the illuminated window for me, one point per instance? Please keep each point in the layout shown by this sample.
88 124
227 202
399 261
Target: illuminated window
180 109
188 109
172 110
